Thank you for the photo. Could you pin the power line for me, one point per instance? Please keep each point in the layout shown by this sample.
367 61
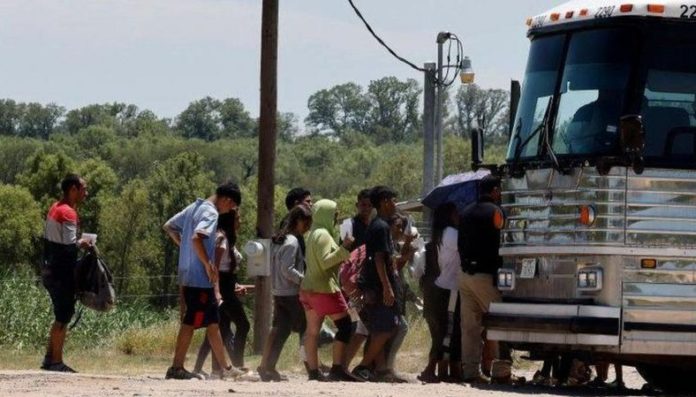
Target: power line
367 25
447 80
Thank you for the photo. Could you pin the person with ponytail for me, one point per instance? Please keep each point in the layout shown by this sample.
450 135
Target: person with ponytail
287 272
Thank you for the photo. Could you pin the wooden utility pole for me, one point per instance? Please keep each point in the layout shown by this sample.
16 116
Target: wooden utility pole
267 149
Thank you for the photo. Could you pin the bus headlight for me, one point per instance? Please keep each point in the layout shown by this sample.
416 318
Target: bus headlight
589 279
506 279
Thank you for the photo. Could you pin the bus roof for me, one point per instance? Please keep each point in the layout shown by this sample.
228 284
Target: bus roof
583 10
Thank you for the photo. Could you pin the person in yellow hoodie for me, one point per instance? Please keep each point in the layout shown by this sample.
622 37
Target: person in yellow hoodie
320 293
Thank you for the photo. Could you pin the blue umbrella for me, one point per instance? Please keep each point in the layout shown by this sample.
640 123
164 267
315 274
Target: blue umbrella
461 189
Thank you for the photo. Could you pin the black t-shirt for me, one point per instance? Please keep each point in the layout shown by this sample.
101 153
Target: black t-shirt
377 239
359 231
479 238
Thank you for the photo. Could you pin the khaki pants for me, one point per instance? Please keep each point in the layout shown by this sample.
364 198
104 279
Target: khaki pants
476 292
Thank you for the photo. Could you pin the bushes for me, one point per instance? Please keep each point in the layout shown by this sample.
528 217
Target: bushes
20 222
25 312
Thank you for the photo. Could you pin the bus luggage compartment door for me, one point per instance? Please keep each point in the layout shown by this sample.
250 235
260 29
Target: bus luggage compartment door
659 318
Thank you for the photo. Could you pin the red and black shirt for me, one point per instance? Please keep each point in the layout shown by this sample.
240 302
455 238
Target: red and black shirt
60 235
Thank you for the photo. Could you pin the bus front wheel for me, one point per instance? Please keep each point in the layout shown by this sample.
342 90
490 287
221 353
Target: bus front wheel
668 379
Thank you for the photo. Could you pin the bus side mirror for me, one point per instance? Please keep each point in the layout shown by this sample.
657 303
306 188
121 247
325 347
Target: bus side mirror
632 141
476 148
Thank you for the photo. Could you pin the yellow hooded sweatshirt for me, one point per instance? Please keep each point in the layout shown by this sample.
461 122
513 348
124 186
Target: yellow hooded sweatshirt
323 254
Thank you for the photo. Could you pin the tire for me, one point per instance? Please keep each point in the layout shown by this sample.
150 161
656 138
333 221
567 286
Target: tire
668 379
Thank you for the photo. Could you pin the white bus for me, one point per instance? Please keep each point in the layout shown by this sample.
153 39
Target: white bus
599 188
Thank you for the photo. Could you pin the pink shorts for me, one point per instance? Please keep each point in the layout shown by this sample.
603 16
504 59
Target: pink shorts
323 304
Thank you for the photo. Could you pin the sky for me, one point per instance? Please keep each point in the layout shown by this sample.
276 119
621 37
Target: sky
163 54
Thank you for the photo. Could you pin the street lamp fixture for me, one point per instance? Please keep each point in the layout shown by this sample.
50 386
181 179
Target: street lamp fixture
461 65
466 72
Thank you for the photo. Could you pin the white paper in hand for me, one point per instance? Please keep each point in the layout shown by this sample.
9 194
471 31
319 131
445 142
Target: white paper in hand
90 238
346 228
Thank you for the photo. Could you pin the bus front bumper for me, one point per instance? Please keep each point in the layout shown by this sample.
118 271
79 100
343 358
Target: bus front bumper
553 324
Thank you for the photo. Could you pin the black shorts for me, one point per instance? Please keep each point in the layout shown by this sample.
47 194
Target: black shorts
377 316
59 281
201 307
288 312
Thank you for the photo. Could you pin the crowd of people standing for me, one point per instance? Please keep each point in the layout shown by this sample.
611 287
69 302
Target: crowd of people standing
307 256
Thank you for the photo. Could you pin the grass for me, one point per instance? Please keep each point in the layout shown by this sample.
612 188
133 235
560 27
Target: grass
149 350
136 338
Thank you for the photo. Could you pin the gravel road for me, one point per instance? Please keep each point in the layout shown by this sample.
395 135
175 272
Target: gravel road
38 383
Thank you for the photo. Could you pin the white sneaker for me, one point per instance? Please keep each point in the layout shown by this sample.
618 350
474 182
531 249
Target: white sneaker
249 376
228 373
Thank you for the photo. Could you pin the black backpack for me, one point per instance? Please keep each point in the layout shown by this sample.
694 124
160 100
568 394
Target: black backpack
94 282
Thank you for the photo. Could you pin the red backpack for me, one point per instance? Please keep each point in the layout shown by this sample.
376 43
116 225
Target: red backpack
349 271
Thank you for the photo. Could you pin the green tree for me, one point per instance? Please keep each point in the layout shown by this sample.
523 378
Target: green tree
400 167
249 207
90 115
39 121
137 157
42 175
14 153
211 119
20 225
145 123
338 109
235 119
235 159
287 125
93 141
482 108
101 186
131 240
394 115
201 119
10 116
457 155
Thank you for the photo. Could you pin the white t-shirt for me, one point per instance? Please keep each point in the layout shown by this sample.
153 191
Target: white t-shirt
225 261
448 260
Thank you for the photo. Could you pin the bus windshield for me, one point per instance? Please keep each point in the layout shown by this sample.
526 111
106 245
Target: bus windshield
588 71
592 91
540 81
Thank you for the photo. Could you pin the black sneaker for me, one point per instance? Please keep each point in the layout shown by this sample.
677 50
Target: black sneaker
46 362
271 375
338 374
59 367
315 374
180 373
362 372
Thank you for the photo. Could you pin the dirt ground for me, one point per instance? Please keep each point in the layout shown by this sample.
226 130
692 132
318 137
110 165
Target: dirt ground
38 383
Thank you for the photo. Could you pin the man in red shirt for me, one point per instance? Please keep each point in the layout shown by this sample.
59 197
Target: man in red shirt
57 272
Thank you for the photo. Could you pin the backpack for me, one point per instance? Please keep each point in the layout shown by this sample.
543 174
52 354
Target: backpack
94 282
350 271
